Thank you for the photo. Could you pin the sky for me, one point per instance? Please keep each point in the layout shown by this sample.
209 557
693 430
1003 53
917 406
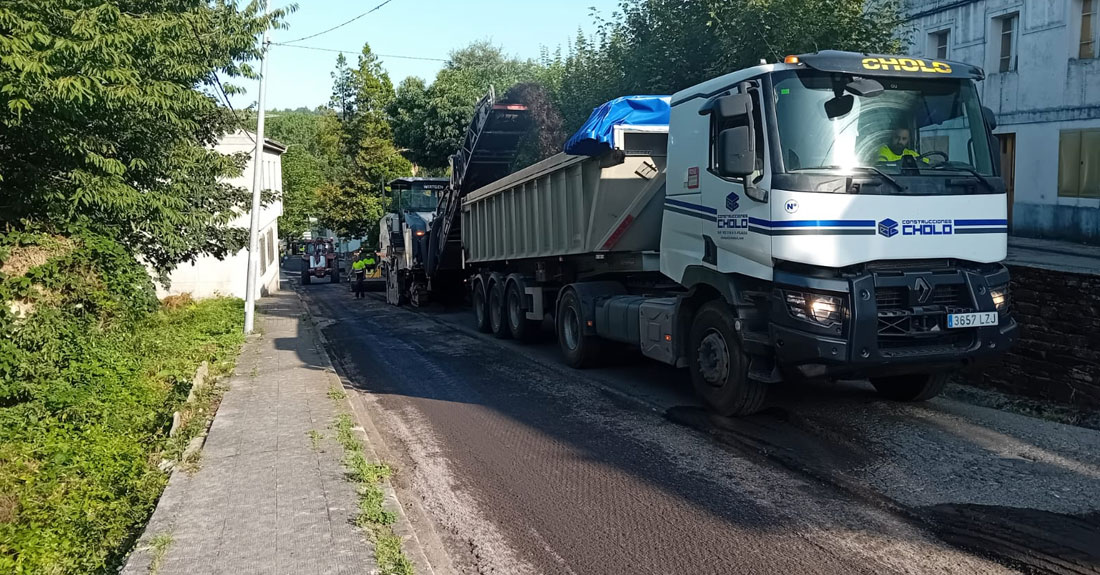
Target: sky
418 28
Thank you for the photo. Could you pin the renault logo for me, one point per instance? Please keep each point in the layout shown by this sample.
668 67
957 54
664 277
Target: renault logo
923 290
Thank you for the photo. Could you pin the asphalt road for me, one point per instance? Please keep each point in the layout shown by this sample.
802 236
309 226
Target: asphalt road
523 465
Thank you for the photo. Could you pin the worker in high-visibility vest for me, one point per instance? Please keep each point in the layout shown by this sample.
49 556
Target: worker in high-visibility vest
362 264
898 147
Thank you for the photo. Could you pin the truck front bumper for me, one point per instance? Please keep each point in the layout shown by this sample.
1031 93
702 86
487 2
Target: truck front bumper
894 320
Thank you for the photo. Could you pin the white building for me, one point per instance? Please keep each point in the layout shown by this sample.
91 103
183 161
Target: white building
209 276
1043 83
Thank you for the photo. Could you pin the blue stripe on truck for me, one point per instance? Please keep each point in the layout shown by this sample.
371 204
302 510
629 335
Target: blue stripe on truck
690 206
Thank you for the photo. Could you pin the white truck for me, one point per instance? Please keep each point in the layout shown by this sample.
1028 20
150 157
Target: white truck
834 215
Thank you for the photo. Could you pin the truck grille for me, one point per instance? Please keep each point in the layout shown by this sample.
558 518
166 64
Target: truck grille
948 295
891 297
907 327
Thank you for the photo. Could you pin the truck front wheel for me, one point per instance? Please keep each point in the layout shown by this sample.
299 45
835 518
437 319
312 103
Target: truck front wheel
719 368
910 387
578 349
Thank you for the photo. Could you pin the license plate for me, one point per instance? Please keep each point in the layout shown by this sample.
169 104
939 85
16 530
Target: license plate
958 320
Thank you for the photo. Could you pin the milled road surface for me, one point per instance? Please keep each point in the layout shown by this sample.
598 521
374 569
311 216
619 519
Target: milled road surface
526 466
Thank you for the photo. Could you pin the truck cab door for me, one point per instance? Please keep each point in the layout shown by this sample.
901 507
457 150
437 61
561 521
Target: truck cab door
738 199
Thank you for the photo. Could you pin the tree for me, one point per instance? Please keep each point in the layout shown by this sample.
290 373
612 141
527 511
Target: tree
303 181
344 88
109 117
663 46
352 207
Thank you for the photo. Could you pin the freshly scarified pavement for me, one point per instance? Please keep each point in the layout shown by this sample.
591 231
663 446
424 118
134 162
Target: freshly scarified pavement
526 466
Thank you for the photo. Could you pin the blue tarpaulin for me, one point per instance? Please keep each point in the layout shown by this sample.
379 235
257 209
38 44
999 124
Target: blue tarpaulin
596 135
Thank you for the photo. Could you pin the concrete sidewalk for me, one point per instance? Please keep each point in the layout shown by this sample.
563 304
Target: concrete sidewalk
268 498
1053 255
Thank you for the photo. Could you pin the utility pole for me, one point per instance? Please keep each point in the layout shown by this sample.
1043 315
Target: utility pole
257 185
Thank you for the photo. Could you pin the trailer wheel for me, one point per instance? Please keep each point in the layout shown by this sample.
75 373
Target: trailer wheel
481 307
579 350
306 278
498 323
910 387
719 367
522 328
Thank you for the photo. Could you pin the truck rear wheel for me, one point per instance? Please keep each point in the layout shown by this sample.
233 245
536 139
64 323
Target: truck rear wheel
910 387
335 275
481 307
719 368
498 323
305 278
578 349
522 328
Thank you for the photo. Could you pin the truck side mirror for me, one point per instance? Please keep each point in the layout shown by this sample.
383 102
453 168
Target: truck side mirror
736 152
990 118
733 106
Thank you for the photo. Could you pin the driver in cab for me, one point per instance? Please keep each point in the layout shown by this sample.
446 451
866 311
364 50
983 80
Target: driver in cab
898 147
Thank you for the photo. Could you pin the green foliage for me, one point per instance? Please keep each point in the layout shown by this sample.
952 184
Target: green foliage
372 517
303 180
663 46
88 381
108 117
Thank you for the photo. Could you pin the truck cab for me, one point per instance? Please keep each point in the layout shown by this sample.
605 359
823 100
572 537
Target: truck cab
847 211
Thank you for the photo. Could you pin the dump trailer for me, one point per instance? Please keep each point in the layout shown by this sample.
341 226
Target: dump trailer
835 215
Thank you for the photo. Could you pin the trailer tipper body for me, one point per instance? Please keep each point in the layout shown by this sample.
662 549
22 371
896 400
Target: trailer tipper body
834 215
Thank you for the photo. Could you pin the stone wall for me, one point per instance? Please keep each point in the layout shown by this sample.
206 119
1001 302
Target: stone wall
1057 356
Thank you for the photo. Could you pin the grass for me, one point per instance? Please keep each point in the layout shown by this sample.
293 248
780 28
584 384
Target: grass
315 438
159 546
79 450
372 517
335 393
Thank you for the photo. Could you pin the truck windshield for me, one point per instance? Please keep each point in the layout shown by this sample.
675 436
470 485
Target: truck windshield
417 199
912 127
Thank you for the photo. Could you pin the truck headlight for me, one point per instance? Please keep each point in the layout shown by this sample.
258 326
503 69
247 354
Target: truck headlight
824 310
1000 298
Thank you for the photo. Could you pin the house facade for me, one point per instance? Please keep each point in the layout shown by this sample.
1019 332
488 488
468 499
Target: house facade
1042 64
208 276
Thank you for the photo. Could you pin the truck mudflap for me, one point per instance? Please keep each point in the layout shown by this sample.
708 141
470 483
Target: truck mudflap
889 320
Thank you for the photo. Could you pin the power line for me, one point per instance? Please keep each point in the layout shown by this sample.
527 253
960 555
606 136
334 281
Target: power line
341 25
356 51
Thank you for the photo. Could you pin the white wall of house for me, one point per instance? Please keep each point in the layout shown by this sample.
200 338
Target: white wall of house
209 276
1043 83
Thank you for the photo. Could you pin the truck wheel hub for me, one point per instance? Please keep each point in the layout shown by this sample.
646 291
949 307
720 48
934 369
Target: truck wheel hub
714 358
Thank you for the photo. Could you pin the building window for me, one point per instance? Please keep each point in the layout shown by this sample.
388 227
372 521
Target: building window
1087 49
263 250
937 42
271 246
1079 164
1008 26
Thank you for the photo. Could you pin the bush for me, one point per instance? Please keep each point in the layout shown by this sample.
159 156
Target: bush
90 373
